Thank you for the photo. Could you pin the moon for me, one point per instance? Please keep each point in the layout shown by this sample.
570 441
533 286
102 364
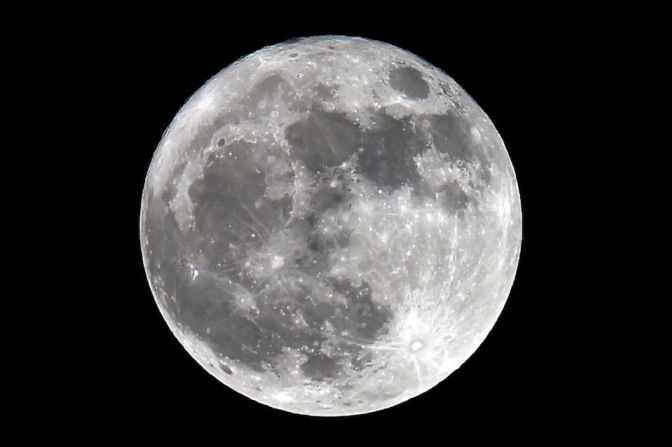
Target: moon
331 226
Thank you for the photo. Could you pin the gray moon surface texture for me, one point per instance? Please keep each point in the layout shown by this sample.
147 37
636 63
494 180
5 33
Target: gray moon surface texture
331 226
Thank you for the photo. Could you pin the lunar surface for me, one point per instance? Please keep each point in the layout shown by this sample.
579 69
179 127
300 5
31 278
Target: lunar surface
330 226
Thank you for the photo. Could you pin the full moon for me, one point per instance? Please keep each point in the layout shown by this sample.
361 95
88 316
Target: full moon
330 226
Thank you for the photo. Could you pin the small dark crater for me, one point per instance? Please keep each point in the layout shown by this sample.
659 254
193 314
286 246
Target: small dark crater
221 142
328 198
293 55
318 313
409 82
311 219
225 368
361 310
314 243
319 367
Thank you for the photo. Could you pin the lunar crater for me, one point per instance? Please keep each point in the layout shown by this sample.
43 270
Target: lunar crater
409 81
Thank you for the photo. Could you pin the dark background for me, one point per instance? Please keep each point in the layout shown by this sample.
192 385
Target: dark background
536 373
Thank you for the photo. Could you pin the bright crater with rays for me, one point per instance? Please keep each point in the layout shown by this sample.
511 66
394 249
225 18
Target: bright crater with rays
331 226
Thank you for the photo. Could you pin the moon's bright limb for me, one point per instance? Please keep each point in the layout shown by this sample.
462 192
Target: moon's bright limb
331 226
